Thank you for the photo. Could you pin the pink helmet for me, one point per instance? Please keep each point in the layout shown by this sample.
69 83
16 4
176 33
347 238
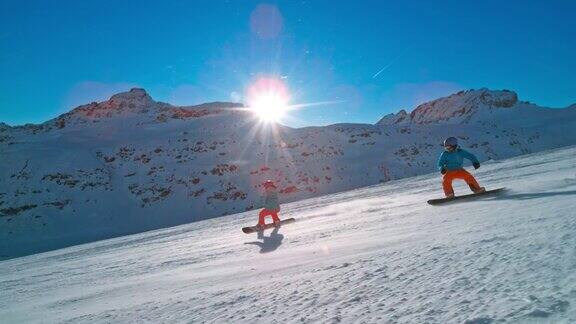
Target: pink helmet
269 184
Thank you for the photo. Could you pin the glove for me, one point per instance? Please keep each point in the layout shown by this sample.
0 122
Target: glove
476 165
443 171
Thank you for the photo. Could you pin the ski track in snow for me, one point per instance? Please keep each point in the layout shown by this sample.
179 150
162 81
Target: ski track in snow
373 255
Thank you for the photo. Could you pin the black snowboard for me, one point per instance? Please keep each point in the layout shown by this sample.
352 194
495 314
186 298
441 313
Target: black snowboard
470 196
252 229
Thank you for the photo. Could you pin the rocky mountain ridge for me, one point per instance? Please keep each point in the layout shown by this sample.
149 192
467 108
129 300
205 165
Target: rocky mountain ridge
131 164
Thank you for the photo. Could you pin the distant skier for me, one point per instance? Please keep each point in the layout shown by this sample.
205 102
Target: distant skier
450 165
270 204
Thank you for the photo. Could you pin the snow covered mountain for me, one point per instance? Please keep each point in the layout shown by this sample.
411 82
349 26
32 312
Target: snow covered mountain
132 164
459 108
373 255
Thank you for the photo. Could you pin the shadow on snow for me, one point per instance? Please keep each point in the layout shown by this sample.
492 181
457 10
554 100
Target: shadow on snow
269 243
535 195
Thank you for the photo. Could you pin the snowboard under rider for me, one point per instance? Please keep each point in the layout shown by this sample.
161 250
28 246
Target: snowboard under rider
450 165
270 204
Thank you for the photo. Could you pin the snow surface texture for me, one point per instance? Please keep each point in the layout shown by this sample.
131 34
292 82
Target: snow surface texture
373 255
132 164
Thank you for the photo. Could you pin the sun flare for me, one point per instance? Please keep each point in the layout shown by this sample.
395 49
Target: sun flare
268 99
269 107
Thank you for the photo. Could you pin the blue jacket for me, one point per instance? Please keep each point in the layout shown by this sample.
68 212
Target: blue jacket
455 160
270 200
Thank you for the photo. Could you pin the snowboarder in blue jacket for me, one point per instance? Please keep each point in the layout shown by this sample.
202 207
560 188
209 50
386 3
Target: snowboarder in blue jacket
270 204
451 163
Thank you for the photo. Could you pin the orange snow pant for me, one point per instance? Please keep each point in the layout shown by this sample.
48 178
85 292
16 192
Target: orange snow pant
449 176
268 212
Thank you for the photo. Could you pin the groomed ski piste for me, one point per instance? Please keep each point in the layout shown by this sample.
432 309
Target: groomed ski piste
379 254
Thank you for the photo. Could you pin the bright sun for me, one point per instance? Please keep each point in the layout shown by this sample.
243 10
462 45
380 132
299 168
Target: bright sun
268 99
270 107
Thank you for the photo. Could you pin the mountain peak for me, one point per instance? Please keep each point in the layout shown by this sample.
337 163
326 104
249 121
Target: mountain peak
495 98
134 100
399 118
137 96
456 108
138 106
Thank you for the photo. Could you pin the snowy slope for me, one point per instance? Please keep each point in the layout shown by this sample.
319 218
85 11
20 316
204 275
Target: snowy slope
131 164
374 255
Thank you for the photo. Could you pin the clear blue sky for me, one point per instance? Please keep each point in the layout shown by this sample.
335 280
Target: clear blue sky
58 54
